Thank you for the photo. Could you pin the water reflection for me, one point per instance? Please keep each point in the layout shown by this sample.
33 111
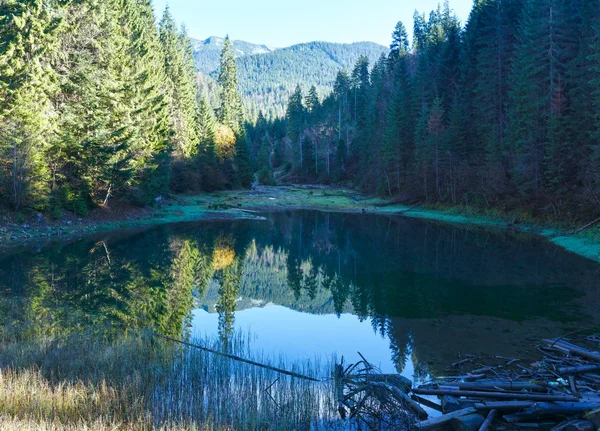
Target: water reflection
428 291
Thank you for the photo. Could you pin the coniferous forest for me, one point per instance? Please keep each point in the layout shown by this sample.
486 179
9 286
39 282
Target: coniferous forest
501 112
100 101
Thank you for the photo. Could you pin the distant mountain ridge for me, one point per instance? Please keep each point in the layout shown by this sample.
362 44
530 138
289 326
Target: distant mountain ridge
267 75
208 52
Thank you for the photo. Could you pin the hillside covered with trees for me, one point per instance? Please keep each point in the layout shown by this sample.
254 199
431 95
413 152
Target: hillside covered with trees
502 112
100 103
268 76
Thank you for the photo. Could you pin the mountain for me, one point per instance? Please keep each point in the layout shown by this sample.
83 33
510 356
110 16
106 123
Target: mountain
208 52
267 76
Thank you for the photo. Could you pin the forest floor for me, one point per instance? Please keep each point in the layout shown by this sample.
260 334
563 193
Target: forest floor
247 204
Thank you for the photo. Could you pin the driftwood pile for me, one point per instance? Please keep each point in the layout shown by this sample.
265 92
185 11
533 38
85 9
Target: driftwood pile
561 392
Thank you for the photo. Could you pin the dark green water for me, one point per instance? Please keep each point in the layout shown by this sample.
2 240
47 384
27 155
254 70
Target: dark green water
409 294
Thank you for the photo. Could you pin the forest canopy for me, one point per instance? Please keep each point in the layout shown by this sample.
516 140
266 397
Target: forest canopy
100 102
502 112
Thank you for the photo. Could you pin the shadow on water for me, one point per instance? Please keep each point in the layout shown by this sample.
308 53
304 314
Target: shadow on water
428 290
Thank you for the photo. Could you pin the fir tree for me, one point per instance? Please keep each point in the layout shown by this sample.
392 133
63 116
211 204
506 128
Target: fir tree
179 68
230 112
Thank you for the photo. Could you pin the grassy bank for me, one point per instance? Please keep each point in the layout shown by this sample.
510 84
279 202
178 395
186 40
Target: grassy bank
586 243
246 204
139 383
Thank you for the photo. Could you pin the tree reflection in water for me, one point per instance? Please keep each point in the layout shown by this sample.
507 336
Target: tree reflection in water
419 284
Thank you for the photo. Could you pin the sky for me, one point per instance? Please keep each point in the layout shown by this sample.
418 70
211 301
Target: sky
281 23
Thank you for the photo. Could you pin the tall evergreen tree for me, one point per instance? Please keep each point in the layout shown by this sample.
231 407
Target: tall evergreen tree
179 68
28 83
230 112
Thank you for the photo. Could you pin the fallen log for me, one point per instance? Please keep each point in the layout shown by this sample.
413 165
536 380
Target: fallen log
582 369
581 229
504 405
574 425
426 402
497 395
450 404
540 410
535 426
433 423
495 385
549 408
468 423
488 420
575 350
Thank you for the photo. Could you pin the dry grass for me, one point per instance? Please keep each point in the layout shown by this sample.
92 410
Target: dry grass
141 383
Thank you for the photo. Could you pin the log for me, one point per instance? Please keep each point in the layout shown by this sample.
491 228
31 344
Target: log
587 226
573 386
433 423
504 405
574 425
575 350
467 423
536 426
488 420
564 408
497 395
539 410
582 369
504 385
593 417
524 416
450 404
427 403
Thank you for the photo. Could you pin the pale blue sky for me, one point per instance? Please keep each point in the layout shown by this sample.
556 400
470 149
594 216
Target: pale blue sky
282 23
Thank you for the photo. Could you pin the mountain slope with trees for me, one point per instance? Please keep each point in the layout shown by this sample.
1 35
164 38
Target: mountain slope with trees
267 76
499 113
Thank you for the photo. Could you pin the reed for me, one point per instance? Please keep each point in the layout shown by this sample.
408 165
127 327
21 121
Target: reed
137 382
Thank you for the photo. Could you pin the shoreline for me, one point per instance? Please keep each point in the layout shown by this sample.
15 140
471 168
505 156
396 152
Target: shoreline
246 204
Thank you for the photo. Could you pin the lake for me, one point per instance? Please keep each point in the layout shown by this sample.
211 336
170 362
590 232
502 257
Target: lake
409 295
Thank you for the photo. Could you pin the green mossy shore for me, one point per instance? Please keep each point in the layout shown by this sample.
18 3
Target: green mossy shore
247 204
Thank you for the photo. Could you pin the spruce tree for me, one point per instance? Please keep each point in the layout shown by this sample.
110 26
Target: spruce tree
179 69
230 112
28 83
295 129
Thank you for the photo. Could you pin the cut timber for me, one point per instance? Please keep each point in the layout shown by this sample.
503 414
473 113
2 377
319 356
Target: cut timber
433 423
539 410
450 404
505 386
497 395
426 402
467 423
574 425
504 405
579 370
488 420
575 350
546 408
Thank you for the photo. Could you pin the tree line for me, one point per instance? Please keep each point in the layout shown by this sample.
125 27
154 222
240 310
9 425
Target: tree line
503 111
100 103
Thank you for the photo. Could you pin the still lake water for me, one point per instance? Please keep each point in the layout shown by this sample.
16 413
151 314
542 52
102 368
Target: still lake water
410 295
